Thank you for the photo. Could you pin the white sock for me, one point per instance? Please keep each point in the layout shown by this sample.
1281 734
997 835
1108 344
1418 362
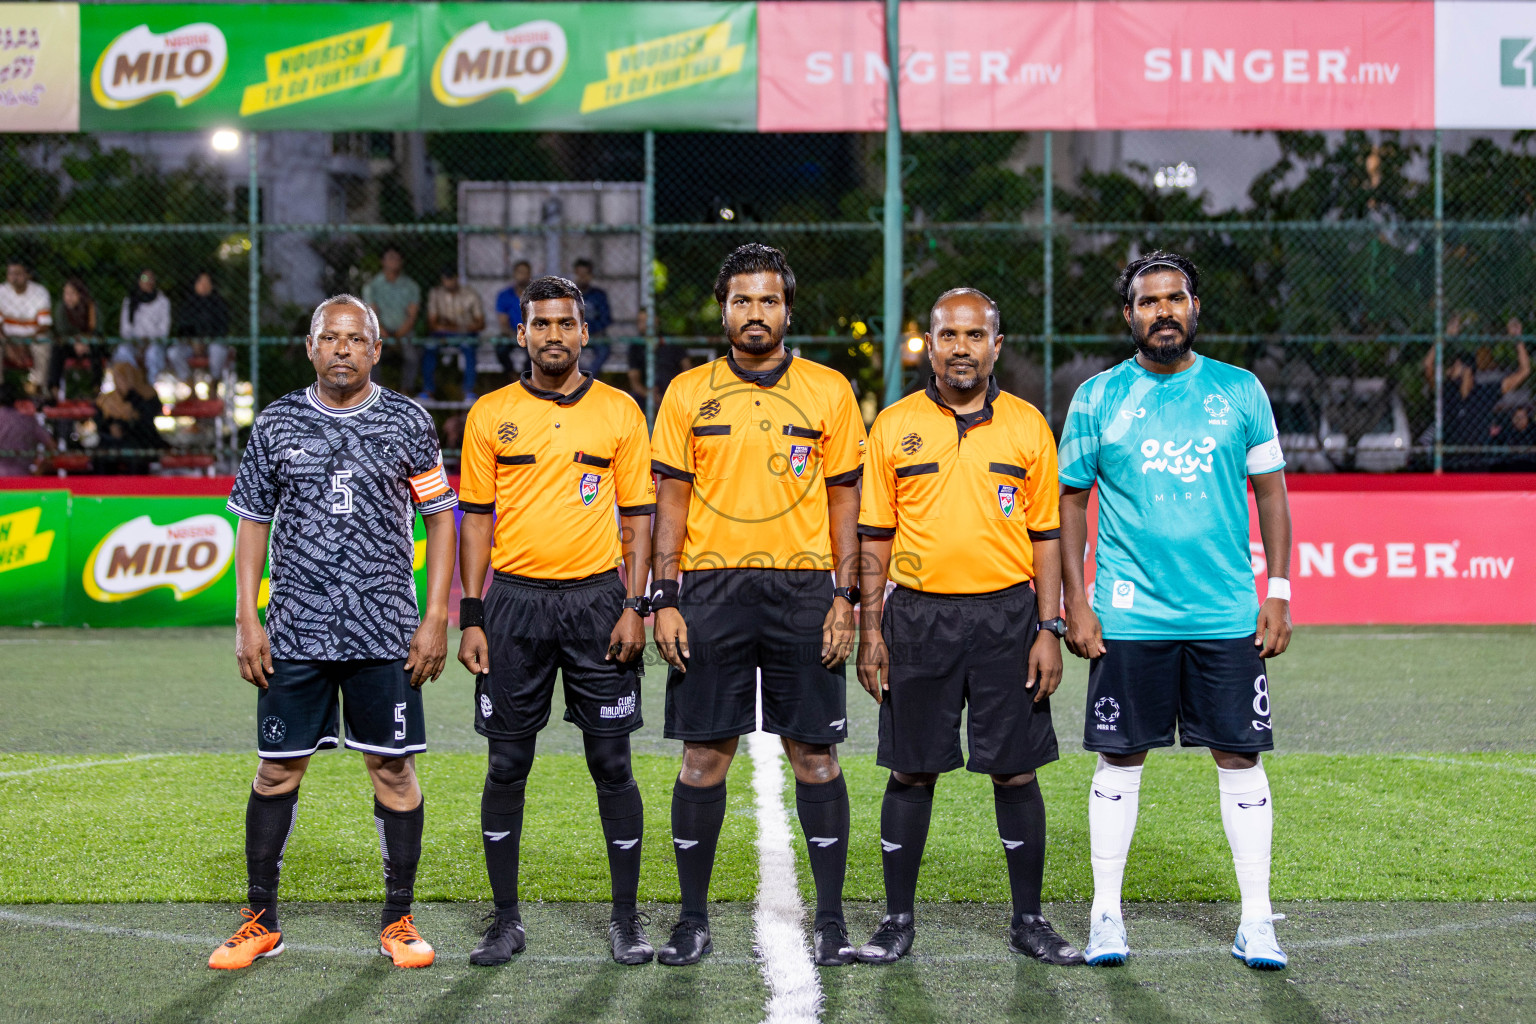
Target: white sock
1248 813
1112 802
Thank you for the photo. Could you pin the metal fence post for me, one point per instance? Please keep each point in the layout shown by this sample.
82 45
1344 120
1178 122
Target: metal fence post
1048 314
1439 304
893 212
253 270
647 273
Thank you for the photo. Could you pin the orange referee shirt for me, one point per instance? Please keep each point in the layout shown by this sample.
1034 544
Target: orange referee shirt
963 496
761 449
552 467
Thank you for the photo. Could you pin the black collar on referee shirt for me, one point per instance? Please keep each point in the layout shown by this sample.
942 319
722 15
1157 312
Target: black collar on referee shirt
968 420
762 378
526 380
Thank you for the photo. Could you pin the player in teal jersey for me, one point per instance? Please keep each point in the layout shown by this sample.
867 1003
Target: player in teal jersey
1174 628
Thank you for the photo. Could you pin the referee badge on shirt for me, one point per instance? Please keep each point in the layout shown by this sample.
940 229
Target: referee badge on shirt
588 488
1005 493
799 455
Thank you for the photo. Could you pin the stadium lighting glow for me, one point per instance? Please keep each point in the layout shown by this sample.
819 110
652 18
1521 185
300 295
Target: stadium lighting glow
726 213
859 328
225 140
915 343
1180 175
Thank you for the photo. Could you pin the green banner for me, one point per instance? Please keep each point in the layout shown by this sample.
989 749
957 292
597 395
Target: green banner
589 66
150 562
264 67
34 547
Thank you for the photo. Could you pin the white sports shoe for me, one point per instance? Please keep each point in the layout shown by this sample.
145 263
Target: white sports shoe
1106 942
1257 946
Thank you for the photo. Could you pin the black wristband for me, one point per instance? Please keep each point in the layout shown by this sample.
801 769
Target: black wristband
471 612
663 594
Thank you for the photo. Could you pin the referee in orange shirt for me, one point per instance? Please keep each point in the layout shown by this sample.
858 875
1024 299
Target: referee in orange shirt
759 456
960 511
555 456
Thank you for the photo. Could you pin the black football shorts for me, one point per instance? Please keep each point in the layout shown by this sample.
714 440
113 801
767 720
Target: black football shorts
741 621
953 651
1216 691
302 708
532 628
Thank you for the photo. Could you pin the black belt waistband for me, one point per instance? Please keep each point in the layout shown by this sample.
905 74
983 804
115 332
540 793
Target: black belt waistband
1005 592
577 584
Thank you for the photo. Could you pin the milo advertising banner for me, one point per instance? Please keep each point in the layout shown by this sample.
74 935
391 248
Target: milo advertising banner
125 561
313 67
34 541
589 66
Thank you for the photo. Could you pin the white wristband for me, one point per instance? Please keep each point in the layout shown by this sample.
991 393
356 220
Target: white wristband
1279 587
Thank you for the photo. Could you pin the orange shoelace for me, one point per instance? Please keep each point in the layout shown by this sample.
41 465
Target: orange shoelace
250 930
403 929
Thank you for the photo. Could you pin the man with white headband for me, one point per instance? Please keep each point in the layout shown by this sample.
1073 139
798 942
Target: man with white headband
1175 631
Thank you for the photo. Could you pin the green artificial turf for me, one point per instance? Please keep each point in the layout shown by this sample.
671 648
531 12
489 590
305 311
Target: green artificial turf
1357 827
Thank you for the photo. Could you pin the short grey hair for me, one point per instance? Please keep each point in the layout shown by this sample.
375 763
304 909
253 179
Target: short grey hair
345 299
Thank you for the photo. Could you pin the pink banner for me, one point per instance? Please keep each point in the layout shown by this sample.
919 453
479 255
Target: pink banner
1404 557
1000 66
1265 65
965 66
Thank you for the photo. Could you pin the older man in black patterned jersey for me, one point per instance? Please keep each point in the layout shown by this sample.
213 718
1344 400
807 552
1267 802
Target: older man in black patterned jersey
343 467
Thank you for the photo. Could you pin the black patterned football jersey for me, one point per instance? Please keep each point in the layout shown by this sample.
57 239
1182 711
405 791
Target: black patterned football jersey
342 488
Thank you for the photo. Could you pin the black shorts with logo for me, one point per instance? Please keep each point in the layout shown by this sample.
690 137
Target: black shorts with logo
743 620
532 628
950 651
302 707
1216 691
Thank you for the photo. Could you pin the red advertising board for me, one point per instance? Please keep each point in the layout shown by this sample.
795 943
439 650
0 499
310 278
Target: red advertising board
1014 66
1265 65
965 66
1404 556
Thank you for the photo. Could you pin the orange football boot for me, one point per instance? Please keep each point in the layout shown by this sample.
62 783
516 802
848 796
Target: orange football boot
403 944
253 940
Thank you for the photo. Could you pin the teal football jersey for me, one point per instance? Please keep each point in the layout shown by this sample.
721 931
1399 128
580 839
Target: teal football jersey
1171 454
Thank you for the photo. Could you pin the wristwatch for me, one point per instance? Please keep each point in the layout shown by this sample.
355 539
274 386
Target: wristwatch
1057 625
849 594
639 604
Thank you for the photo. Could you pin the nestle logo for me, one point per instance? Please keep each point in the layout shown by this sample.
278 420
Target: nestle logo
182 533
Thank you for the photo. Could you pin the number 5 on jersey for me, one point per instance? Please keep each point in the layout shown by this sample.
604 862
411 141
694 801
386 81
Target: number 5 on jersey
343 504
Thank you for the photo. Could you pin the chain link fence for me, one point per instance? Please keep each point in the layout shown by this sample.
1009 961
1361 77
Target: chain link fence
1379 284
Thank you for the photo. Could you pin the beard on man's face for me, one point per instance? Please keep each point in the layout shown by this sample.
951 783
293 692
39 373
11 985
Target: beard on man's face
965 374
1171 352
553 360
756 344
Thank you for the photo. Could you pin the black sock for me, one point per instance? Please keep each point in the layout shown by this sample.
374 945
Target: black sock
697 815
904 816
623 826
823 810
1021 825
400 842
269 822
501 830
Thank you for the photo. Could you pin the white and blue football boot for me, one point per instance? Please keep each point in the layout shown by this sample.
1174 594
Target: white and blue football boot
1257 946
1106 942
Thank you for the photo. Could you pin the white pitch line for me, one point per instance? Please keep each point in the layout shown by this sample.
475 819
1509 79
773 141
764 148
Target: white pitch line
86 764
1495 765
794 990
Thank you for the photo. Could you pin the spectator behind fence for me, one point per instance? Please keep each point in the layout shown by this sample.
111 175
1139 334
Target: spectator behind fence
202 317
146 317
509 317
599 317
1516 429
126 417
453 313
27 317
19 432
1473 387
671 360
76 336
396 301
